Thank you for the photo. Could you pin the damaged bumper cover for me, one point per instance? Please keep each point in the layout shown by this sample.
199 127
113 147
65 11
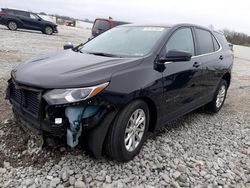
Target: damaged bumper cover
62 121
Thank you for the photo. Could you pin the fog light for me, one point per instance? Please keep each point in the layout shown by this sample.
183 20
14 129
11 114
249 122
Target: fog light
58 121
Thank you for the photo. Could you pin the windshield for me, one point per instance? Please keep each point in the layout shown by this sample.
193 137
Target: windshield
125 41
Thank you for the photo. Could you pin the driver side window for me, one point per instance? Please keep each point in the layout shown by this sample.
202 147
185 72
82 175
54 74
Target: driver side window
33 16
181 40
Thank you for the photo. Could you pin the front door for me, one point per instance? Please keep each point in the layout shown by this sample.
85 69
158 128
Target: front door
181 80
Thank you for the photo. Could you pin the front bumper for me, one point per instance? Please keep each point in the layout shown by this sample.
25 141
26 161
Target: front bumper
34 112
55 30
40 127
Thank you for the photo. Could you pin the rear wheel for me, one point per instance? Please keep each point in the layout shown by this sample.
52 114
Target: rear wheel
128 132
48 30
12 25
219 97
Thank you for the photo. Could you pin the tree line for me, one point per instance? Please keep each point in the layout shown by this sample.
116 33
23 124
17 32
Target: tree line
236 37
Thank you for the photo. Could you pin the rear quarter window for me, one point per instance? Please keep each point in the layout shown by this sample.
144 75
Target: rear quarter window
9 11
21 13
17 12
222 39
204 41
216 44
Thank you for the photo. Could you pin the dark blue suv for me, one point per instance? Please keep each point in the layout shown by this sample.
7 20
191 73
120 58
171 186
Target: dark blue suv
15 19
112 90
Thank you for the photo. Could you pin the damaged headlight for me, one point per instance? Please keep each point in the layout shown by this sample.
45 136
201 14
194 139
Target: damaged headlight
62 96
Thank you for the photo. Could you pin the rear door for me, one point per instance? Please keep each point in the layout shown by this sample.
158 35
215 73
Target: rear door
181 80
22 17
210 55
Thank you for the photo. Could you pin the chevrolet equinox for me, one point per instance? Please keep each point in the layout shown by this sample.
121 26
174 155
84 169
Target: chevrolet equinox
111 91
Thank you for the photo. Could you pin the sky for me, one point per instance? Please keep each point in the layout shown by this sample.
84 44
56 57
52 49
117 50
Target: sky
234 15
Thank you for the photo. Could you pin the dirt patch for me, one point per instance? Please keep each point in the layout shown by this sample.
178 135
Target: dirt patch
21 149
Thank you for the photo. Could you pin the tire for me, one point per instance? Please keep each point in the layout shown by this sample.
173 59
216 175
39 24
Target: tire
219 98
12 25
124 128
48 30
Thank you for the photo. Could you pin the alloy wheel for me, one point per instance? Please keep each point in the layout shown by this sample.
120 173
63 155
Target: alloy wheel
12 25
48 30
135 130
221 96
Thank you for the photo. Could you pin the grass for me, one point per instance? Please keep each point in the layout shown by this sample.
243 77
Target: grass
247 45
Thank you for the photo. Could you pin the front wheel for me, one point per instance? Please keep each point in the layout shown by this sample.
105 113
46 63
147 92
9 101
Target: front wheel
219 98
128 132
48 30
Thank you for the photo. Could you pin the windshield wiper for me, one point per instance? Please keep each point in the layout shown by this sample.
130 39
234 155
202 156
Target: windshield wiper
103 54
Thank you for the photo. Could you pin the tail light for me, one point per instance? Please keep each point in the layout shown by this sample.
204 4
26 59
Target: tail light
2 13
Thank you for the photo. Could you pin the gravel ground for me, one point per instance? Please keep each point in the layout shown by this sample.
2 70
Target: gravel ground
197 150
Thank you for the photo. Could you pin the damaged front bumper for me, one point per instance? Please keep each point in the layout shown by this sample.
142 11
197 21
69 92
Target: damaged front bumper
65 122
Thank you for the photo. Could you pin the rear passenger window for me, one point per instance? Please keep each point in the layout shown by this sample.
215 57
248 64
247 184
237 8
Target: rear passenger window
204 40
216 45
182 39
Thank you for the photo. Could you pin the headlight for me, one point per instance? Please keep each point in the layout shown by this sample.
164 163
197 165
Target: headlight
62 96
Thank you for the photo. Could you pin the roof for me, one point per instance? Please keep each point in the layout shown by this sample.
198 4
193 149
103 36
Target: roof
148 25
13 9
166 25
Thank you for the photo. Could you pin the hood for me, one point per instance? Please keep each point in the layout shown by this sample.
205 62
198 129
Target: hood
69 69
48 22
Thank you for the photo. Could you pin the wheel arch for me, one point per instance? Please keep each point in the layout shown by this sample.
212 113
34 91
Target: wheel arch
48 25
227 78
13 20
152 112
97 145
43 28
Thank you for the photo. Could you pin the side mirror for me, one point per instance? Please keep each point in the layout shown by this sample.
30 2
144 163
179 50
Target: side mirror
68 46
39 19
176 55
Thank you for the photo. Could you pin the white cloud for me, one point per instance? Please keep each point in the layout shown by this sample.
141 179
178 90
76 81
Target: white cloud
222 14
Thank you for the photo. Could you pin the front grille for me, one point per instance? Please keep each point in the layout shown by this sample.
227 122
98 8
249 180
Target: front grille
27 99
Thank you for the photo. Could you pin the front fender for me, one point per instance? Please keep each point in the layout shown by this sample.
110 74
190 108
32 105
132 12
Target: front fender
95 138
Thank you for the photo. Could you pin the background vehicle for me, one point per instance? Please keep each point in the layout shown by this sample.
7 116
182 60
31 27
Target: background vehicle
101 25
114 89
15 19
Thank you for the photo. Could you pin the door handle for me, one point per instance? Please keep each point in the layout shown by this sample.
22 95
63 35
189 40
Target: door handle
196 64
221 57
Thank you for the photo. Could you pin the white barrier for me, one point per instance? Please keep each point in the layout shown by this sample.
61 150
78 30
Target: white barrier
85 25
242 52
48 18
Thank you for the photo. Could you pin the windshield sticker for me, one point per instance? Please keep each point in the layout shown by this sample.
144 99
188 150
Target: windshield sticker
153 29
